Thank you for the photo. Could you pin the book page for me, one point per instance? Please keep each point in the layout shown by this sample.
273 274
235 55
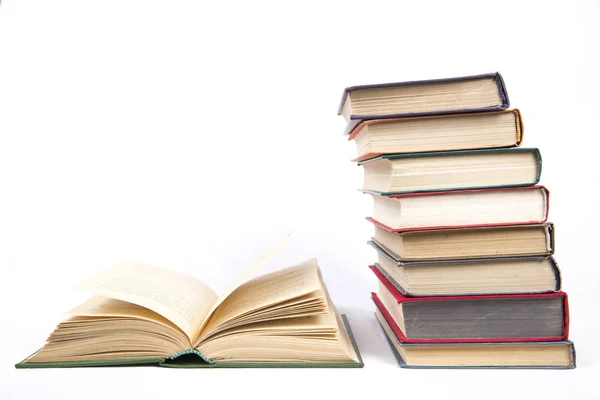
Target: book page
247 273
179 298
100 306
267 290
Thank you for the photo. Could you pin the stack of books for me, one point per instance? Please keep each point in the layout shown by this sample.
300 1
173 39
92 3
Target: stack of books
465 267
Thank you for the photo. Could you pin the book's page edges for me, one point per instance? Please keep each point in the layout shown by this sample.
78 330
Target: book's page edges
405 340
548 228
537 154
387 253
454 191
187 363
400 298
495 75
518 127
505 103
80 364
194 359
408 293
403 364
406 261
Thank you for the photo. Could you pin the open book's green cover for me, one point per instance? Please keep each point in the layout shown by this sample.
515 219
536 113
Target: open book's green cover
193 359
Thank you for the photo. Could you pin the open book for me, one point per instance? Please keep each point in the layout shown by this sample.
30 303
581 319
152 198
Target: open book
141 314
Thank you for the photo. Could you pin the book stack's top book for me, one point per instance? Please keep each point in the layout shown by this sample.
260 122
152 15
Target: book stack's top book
465 263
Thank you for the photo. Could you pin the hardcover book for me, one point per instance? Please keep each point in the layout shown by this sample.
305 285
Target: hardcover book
450 132
474 93
466 243
517 275
462 208
497 318
140 314
541 355
449 171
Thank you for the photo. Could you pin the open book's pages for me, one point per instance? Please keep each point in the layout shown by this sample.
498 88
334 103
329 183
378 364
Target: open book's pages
475 93
454 170
448 132
145 314
462 208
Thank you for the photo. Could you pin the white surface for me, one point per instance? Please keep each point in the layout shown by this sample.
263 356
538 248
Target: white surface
192 136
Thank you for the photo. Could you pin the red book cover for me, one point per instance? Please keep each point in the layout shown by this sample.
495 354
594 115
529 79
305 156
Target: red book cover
541 221
400 298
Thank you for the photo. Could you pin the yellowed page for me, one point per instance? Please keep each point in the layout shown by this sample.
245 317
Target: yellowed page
247 273
179 298
100 306
266 290
322 325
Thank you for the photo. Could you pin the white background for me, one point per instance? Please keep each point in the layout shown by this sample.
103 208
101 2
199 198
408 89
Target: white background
192 135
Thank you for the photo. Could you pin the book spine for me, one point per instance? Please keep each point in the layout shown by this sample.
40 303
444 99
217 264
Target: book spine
519 126
191 351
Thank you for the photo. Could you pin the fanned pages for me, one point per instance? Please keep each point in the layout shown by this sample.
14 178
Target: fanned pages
145 313
181 299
